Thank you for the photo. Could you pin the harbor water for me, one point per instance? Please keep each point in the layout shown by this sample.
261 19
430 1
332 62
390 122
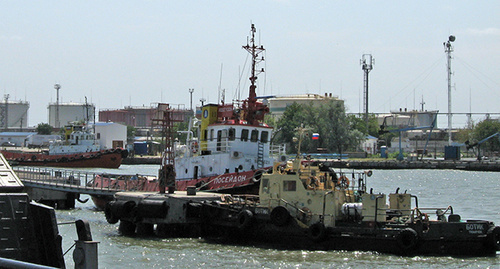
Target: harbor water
473 195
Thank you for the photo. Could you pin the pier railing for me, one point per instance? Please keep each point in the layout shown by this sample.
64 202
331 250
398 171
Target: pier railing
62 180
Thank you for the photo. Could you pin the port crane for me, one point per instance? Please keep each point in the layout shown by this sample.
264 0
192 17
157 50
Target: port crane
400 130
478 144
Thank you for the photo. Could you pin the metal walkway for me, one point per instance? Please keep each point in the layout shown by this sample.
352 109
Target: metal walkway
62 180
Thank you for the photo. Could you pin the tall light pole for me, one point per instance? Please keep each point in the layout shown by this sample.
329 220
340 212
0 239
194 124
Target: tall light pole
6 96
57 87
448 48
367 63
191 100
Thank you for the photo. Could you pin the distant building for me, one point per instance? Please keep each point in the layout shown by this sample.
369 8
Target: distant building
111 135
404 118
70 112
17 139
138 117
369 145
278 104
14 114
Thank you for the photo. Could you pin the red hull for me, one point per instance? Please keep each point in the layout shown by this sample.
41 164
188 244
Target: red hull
101 159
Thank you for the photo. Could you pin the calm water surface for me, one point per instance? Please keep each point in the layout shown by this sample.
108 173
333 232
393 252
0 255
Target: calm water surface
473 195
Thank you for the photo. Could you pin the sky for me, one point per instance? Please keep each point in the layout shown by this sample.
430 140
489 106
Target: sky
136 53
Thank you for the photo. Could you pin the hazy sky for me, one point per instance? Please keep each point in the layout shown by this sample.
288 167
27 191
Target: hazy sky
120 53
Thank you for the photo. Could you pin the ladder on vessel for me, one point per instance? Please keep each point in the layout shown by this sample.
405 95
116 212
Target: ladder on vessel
260 155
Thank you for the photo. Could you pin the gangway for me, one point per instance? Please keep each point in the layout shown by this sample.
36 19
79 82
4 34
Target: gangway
61 185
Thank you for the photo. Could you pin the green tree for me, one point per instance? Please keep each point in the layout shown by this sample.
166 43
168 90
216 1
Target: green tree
484 129
286 125
359 124
130 131
44 129
328 120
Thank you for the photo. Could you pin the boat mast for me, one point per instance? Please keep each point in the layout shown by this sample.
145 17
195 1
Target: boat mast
252 107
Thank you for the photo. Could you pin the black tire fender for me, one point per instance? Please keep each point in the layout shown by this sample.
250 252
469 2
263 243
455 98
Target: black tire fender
407 239
245 218
493 237
317 232
280 216
110 218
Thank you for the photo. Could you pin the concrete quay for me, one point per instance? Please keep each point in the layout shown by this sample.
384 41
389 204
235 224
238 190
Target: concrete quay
142 160
470 165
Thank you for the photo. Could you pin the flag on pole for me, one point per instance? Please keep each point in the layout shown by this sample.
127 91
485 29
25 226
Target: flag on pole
315 136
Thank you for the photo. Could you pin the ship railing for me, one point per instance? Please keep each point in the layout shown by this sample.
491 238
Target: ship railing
242 200
301 214
227 145
278 150
422 213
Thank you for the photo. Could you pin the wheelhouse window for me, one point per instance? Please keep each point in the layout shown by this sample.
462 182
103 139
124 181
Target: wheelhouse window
244 135
219 139
211 134
289 185
231 134
264 136
254 136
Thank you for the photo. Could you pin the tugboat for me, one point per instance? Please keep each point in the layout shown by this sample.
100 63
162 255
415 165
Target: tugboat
78 149
232 149
313 207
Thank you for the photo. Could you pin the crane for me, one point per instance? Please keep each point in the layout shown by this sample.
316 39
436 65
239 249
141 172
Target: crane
400 156
478 144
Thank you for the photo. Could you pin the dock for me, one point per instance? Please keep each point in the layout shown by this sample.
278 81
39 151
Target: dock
469 164
493 165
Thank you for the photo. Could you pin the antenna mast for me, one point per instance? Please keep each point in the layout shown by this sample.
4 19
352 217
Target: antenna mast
252 107
367 63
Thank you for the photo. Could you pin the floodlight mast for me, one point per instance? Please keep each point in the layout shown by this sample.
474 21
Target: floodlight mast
448 48
57 86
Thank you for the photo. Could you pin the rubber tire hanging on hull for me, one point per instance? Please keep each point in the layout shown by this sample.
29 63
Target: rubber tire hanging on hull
317 232
407 240
110 218
245 219
280 216
493 237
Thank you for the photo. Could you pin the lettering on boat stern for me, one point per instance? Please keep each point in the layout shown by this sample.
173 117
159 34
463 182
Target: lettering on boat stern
261 210
475 228
230 179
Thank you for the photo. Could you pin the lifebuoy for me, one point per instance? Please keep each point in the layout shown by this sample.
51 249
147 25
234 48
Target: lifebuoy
369 173
244 220
407 239
343 182
280 216
317 232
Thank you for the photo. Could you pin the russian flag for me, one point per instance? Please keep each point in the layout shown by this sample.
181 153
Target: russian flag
315 136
